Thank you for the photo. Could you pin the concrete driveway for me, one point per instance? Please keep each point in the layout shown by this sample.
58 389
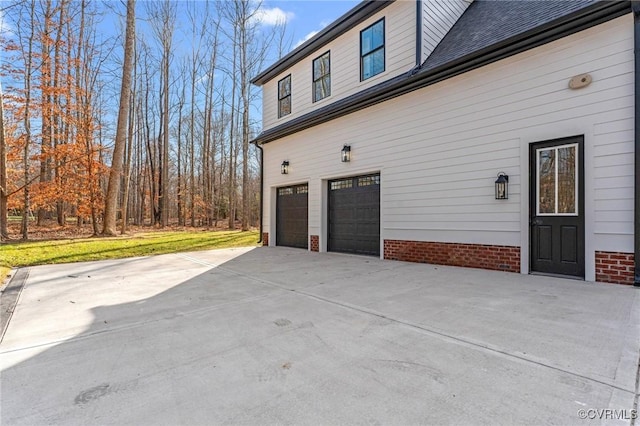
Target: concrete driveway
274 335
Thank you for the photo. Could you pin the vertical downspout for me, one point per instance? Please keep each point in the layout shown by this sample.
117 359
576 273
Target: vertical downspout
635 7
418 32
261 187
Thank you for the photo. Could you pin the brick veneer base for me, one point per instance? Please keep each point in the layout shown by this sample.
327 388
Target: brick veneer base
265 238
500 258
315 242
613 267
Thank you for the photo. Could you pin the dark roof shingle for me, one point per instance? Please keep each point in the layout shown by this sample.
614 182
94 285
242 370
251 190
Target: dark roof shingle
488 31
486 23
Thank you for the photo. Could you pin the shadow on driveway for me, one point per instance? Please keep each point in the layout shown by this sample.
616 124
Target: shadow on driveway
274 335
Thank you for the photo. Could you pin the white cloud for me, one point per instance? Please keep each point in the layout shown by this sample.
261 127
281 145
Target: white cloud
5 28
273 16
323 24
307 37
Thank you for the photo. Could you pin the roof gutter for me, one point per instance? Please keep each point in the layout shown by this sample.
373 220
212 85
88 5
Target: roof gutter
594 15
635 6
350 19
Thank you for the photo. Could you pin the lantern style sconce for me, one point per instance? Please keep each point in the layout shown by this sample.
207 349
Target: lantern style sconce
502 187
346 153
284 167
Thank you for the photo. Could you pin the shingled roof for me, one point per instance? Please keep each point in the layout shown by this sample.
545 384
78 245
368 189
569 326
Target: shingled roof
488 31
487 23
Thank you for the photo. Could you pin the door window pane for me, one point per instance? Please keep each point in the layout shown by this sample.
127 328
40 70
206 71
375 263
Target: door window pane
546 181
558 180
567 180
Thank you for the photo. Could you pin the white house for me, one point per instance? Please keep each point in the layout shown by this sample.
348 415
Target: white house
492 134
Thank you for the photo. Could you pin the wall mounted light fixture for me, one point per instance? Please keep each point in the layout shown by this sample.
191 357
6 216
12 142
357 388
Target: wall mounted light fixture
502 187
346 153
284 167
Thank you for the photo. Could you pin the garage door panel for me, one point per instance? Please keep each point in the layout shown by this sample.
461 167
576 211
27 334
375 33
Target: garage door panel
354 215
292 213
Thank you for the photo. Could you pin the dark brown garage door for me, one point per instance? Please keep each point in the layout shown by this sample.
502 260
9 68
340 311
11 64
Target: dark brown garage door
292 216
354 215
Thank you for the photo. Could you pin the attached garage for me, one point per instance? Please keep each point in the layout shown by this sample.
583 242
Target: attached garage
354 215
511 148
292 226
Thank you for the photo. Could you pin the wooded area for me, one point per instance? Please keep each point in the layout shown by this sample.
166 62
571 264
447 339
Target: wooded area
148 121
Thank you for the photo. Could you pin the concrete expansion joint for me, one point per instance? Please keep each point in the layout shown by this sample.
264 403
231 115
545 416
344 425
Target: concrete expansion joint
637 395
440 334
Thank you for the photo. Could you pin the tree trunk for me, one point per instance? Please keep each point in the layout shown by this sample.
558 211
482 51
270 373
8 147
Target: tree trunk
179 142
232 136
26 206
4 192
109 227
244 93
127 166
57 121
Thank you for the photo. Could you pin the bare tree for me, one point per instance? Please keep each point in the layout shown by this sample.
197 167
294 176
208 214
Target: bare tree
4 192
184 150
249 51
129 149
198 31
180 186
163 17
115 174
27 52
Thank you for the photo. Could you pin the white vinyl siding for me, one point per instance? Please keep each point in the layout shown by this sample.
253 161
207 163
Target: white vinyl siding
440 148
400 42
437 19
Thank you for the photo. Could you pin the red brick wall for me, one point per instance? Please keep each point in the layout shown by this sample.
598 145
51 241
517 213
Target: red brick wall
613 267
500 258
315 242
265 238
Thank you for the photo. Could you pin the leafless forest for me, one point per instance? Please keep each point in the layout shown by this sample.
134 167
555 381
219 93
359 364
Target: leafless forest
125 113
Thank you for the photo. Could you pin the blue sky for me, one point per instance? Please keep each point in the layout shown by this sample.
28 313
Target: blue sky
306 17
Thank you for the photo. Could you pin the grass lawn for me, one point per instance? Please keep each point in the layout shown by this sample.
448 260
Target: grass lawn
142 244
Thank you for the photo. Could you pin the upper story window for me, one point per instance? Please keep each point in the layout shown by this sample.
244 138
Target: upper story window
372 50
284 96
322 77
